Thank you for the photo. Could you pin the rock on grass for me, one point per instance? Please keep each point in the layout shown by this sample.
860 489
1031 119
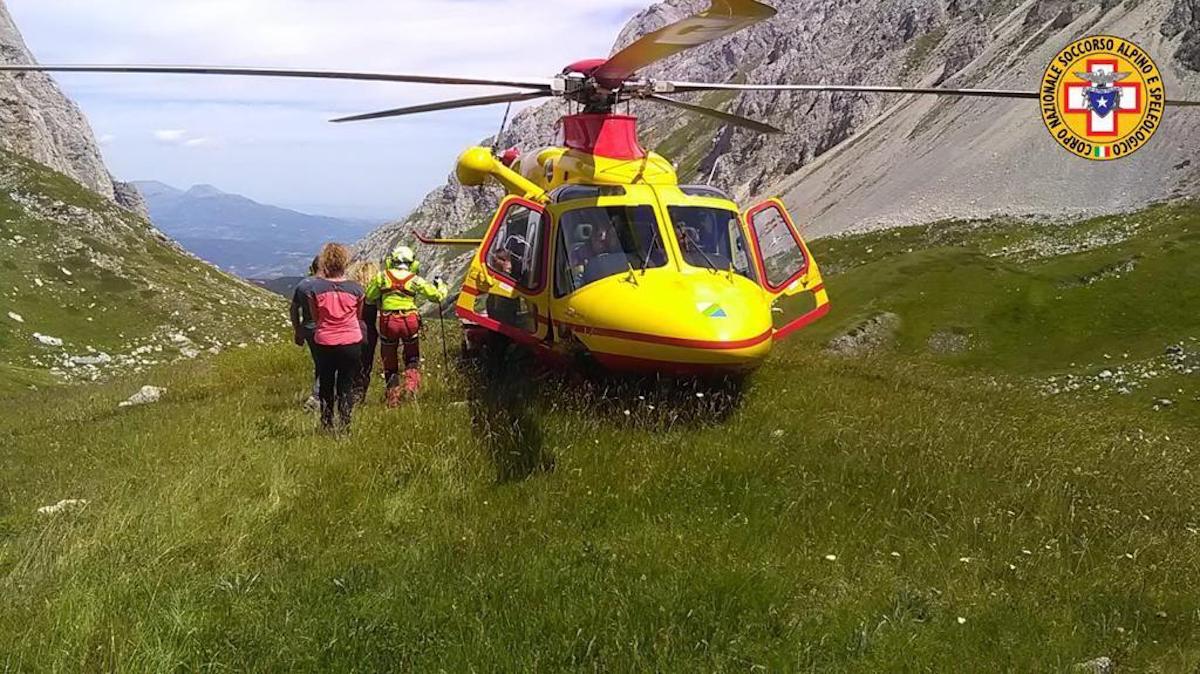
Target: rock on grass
148 394
948 342
47 339
1101 665
61 506
866 337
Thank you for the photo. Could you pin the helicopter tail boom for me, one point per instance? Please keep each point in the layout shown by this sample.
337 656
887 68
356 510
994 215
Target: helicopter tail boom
437 241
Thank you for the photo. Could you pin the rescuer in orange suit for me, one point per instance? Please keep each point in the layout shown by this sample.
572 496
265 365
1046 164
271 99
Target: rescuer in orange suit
396 291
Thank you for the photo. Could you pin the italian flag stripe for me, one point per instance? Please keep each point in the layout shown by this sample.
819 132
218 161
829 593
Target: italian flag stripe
1102 152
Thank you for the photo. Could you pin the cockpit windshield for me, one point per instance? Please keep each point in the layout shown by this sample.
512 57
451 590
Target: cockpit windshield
711 238
602 241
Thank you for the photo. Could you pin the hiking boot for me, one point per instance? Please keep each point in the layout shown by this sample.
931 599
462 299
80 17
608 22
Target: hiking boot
313 404
394 397
412 381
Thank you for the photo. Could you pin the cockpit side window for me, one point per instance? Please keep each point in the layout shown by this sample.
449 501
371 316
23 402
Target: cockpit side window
516 249
712 238
601 241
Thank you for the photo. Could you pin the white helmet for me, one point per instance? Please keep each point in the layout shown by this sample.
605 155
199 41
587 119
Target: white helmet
402 257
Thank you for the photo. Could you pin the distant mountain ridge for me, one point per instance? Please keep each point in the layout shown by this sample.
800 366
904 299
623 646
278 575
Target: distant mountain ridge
241 235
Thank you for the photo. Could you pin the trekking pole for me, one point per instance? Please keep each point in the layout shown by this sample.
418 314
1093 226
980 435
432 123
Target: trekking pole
442 329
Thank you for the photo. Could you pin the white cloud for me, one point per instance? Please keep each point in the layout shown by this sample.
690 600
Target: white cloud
181 138
275 142
106 139
172 136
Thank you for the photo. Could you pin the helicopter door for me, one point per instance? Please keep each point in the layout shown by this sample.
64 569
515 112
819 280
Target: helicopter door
513 273
785 268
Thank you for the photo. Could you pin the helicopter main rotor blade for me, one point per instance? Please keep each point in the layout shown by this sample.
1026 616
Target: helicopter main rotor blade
727 117
448 105
724 17
689 87
277 72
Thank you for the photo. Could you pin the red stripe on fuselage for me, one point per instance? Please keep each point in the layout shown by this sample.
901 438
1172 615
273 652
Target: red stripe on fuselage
710 345
802 322
496 326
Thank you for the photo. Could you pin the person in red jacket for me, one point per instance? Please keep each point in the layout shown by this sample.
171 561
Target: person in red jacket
336 306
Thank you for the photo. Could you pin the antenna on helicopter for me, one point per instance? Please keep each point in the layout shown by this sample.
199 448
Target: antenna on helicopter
503 124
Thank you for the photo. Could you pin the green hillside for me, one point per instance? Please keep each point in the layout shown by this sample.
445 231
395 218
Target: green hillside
956 487
75 267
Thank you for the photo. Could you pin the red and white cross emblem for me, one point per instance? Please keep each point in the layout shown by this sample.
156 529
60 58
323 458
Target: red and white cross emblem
1108 125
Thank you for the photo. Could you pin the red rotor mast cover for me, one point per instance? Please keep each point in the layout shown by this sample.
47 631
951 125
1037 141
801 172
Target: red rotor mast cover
612 136
510 156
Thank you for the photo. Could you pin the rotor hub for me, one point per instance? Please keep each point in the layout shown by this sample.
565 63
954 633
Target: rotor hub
578 83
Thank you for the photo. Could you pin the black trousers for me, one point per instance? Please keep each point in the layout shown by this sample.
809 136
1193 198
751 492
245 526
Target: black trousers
312 351
371 320
337 367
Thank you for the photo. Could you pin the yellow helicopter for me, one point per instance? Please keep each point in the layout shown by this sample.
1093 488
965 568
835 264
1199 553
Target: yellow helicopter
605 256
598 252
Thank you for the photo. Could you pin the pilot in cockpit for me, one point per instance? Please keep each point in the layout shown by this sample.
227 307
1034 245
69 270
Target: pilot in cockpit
599 253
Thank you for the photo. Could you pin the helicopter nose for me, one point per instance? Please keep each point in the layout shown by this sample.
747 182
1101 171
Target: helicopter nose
668 321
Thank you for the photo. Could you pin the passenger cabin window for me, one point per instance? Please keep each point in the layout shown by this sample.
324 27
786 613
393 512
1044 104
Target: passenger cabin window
711 238
599 242
514 252
783 258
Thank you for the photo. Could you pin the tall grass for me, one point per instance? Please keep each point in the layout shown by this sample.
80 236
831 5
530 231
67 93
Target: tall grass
896 512
821 524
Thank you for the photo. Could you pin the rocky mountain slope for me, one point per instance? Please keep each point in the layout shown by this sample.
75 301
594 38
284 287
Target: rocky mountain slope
88 288
243 236
927 160
862 161
38 121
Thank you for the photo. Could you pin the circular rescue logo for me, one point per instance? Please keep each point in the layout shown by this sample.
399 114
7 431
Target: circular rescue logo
1102 97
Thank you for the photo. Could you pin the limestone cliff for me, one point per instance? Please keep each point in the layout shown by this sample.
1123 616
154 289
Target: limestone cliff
38 121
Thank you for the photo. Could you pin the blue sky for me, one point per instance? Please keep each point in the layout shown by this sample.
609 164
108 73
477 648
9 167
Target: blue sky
269 139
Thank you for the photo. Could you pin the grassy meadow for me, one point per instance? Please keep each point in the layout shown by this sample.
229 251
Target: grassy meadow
77 268
926 505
